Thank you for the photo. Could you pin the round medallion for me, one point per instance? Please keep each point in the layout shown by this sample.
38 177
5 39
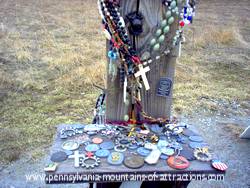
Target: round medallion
196 138
219 165
143 151
167 151
195 145
134 162
133 146
115 158
102 153
178 162
107 145
92 147
97 140
70 145
58 156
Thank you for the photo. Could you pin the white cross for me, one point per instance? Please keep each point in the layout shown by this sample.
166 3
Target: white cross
77 157
142 72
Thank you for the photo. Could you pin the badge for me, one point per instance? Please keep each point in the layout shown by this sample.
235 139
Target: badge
107 145
143 151
115 158
59 156
196 138
51 167
178 162
97 140
134 162
219 165
102 153
70 145
164 87
92 147
153 157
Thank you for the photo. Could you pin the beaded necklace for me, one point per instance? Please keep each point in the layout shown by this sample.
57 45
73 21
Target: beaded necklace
123 56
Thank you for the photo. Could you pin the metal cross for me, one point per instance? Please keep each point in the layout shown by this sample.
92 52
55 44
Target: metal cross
142 72
77 157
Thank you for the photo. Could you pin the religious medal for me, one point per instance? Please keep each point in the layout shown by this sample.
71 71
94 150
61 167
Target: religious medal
102 153
143 151
153 157
134 162
92 147
97 140
178 162
219 165
70 145
115 158
59 156
107 145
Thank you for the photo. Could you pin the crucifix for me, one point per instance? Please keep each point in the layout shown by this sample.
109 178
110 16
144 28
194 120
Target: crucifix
142 73
77 157
151 27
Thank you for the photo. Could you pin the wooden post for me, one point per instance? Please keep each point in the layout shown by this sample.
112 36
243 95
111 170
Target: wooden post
153 105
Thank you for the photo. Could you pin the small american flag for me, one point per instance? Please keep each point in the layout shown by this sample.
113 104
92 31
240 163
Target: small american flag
219 165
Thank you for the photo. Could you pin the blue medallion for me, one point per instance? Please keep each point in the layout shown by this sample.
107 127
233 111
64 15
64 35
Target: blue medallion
102 153
92 147
107 145
143 151
115 158
196 138
195 145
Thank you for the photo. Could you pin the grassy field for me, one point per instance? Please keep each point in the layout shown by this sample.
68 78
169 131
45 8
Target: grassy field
52 52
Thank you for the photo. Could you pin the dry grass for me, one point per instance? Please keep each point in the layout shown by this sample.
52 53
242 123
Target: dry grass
52 52
214 35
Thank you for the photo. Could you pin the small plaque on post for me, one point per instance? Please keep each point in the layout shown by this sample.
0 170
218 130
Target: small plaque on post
164 87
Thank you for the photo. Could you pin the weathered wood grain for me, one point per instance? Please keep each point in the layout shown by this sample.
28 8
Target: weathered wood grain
153 105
